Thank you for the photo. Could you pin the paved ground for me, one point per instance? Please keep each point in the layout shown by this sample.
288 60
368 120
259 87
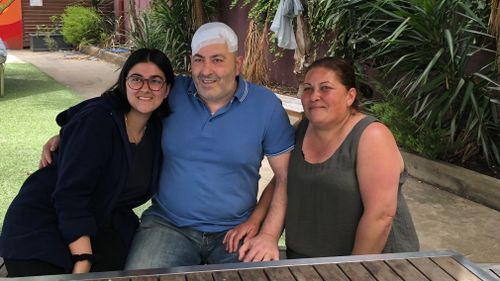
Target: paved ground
443 221
84 74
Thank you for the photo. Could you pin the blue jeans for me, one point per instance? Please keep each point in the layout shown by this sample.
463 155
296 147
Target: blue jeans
159 244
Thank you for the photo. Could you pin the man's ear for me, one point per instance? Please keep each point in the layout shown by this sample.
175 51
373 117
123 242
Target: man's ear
239 64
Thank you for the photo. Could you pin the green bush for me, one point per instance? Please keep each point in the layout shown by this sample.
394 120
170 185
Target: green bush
423 52
408 133
82 25
169 26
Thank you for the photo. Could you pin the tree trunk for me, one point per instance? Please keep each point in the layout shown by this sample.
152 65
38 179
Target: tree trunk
198 14
255 65
495 26
303 54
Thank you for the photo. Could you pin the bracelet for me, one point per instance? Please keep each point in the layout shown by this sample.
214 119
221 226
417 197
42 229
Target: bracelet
82 257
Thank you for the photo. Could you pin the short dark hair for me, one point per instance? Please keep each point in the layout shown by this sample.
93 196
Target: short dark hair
343 69
157 57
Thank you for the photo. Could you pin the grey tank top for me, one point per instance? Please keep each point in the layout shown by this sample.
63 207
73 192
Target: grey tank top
324 202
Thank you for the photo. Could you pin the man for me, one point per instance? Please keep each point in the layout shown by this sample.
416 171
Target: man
213 144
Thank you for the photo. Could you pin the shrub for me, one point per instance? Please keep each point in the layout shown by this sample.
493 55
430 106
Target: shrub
424 52
82 25
408 133
169 26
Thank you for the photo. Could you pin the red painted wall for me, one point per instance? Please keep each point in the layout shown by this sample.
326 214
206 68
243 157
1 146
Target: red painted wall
11 25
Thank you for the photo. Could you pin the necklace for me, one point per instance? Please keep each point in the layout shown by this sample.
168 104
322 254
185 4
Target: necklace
131 137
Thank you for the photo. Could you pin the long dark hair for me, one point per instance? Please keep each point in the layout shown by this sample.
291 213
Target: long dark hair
343 69
157 57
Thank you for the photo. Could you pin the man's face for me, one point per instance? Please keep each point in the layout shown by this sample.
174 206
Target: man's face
214 69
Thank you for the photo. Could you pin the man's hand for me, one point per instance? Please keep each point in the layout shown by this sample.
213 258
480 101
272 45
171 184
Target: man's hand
263 247
244 231
47 150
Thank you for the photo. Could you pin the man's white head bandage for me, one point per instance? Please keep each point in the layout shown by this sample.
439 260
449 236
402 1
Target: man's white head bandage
214 33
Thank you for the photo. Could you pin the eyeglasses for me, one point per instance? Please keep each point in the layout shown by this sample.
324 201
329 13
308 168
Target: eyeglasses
135 82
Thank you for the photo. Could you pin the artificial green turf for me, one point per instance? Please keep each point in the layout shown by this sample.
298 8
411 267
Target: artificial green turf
27 119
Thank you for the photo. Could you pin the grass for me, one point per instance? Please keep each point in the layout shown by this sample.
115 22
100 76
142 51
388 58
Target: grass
27 119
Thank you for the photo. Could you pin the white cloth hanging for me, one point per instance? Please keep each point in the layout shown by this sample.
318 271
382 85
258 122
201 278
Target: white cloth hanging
282 23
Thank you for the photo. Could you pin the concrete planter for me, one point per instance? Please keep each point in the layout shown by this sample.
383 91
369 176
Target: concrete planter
38 42
460 181
116 58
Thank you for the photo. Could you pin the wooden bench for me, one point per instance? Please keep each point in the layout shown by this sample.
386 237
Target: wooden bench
442 266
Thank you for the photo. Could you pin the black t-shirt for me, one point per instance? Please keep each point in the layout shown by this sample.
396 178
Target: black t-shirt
140 171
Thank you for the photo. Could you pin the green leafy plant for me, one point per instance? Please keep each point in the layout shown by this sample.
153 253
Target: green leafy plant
82 25
169 26
47 31
407 132
421 51
262 11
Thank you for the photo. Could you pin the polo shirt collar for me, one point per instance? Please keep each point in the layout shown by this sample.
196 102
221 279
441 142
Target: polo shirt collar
241 90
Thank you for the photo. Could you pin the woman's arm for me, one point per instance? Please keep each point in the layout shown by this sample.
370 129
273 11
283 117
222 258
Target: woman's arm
81 246
379 164
83 152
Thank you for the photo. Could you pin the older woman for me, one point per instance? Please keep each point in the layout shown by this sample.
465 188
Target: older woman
76 215
345 175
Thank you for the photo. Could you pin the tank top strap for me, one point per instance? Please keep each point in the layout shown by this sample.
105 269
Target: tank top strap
355 134
352 138
300 132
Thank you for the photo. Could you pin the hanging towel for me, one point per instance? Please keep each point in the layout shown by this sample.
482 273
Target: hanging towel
282 23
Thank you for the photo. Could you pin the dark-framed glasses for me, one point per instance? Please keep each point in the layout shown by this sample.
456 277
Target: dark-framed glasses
136 82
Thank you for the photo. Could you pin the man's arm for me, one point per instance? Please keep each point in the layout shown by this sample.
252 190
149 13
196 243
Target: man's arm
264 246
251 227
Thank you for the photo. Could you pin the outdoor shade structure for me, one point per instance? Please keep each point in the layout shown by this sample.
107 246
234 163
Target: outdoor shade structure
443 266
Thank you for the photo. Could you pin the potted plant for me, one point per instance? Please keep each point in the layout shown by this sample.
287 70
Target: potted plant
48 37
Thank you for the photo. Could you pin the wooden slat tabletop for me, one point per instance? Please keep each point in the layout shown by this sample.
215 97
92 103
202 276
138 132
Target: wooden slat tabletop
331 271
430 270
430 266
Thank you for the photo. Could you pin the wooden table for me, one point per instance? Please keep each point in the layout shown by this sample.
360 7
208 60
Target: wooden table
443 266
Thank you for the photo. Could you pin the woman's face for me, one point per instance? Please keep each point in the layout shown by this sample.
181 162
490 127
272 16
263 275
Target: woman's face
326 100
146 87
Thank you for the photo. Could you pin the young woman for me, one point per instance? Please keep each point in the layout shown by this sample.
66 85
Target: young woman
76 215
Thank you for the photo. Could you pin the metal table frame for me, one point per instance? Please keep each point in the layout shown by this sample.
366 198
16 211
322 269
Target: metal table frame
234 266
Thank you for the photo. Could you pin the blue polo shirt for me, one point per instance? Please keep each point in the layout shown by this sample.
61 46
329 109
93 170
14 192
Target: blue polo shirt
211 163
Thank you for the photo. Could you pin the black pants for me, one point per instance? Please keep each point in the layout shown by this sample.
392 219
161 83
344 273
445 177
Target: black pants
109 250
